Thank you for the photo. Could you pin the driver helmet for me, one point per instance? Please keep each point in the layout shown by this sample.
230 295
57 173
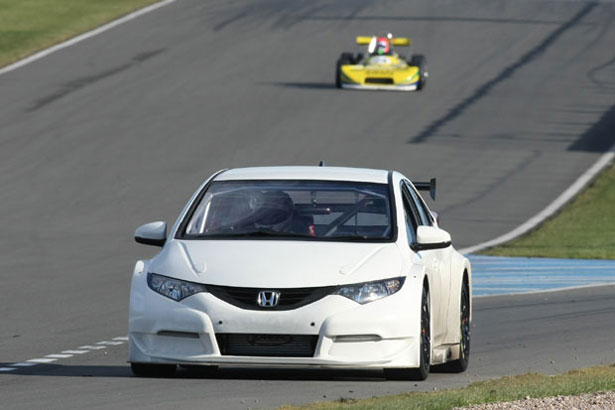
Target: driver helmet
275 211
383 46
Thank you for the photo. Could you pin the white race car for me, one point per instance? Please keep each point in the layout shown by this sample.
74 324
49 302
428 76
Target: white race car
302 266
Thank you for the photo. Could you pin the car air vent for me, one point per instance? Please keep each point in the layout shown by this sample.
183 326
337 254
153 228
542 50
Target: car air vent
289 298
373 80
188 335
240 344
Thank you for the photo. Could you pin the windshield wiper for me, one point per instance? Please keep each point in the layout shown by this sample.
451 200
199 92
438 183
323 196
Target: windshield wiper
260 233
347 237
266 233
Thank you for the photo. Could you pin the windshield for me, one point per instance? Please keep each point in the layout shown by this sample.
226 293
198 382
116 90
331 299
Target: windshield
311 210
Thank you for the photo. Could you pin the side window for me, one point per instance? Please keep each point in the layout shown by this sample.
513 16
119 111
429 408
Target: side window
424 214
411 216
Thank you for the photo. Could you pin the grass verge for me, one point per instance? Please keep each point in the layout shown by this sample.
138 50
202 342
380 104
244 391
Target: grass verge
28 26
582 229
589 380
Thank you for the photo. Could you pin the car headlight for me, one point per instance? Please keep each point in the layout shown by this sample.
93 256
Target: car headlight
173 288
368 292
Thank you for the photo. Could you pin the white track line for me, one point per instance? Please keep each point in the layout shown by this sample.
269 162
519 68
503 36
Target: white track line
553 207
41 360
50 358
84 36
59 356
110 343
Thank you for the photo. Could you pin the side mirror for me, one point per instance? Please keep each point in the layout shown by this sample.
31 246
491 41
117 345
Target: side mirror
153 233
430 237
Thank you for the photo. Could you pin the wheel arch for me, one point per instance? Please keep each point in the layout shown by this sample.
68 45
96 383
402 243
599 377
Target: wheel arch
467 278
461 272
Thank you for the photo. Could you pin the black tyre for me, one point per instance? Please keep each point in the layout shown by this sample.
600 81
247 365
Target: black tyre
421 372
153 370
420 62
345 58
461 364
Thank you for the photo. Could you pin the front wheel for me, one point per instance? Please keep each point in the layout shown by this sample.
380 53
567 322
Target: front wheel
420 62
345 59
421 372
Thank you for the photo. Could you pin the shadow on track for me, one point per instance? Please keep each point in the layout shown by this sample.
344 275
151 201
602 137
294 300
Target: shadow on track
60 370
225 373
598 138
305 85
82 82
322 86
505 74
435 18
285 374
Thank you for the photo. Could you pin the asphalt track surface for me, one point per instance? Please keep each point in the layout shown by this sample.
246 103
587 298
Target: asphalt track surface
120 129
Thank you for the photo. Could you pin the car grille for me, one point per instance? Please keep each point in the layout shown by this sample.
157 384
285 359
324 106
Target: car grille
373 80
234 344
290 298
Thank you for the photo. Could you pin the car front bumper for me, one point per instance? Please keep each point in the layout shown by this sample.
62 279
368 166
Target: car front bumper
392 87
379 334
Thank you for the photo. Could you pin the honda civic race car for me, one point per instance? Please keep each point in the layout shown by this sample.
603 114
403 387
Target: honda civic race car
302 266
381 68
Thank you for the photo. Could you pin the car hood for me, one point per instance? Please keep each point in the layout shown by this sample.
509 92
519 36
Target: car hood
276 264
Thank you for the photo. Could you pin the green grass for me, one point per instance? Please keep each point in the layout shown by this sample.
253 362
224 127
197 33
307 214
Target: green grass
593 379
27 26
585 228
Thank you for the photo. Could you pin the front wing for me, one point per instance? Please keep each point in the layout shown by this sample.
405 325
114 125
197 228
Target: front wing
356 76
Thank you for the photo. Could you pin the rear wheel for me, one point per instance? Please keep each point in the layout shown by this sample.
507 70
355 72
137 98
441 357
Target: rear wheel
153 370
420 62
421 372
461 364
345 59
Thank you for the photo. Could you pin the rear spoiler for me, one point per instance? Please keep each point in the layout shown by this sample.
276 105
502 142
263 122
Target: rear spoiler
427 186
401 41
397 41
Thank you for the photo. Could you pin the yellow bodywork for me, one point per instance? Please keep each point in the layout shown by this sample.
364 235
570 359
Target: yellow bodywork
397 41
401 41
380 71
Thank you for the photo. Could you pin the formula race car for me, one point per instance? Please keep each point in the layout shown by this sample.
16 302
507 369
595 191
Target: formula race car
381 68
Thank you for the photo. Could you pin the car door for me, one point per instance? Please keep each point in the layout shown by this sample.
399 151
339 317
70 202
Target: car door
429 258
437 261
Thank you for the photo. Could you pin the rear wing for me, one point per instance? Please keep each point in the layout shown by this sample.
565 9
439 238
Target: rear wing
396 41
401 41
427 186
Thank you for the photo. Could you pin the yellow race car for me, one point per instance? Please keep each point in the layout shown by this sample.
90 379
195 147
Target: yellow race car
381 68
